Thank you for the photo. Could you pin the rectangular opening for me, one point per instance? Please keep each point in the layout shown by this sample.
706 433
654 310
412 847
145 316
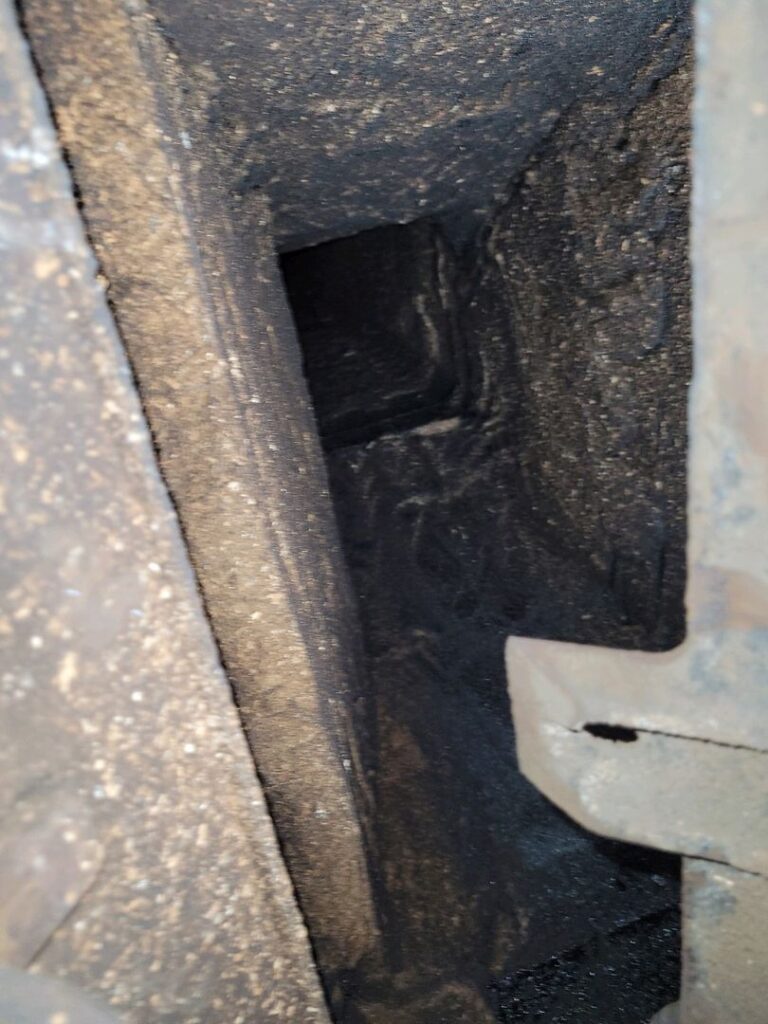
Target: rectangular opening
503 409
377 318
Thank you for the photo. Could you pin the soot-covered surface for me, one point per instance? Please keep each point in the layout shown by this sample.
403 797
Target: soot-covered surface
624 976
542 494
353 114
378 321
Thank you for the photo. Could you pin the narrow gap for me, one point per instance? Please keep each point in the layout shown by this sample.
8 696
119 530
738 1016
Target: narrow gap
503 412
624 734
615 733
376 316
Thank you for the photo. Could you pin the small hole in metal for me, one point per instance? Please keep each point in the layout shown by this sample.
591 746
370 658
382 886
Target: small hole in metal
615 733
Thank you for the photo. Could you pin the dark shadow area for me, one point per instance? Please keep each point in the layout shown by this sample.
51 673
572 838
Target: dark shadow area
624 976
614 733
495 332
504 423
377 320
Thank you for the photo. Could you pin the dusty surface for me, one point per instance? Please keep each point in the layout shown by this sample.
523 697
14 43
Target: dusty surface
591 260
376 314
119 741
692 722
29 998
205 324
553 505
696 715
623 976
350 115
726 947
502 510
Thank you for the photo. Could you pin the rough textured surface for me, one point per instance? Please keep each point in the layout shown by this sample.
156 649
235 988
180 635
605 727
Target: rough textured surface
30 999
50 855
513 514
725 945
376 314
682 805
448 536
198 302
590 256
693 723
117 730
698 714
620 977
669 1015
347 115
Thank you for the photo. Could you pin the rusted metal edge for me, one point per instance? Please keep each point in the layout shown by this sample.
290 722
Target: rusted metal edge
687 769
725 945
